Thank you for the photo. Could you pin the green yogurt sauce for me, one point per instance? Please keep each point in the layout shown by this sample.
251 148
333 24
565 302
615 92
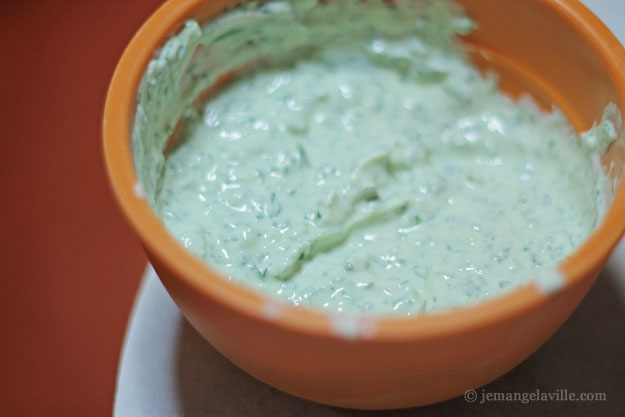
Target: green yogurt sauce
362 164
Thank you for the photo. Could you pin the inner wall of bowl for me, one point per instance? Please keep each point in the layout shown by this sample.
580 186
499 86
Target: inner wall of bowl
538 51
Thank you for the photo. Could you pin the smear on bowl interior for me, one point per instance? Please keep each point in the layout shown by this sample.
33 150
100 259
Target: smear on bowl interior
360 162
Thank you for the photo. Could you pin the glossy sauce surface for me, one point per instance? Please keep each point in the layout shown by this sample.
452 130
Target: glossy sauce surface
381 174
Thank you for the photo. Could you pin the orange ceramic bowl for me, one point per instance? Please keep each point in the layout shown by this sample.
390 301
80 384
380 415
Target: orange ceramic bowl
555 49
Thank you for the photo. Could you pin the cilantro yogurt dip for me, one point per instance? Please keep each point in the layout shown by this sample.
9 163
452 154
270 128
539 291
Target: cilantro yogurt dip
359 162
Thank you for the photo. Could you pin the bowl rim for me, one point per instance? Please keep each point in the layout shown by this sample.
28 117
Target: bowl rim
117 125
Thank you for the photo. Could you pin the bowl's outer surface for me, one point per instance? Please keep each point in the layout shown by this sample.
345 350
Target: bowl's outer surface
558 51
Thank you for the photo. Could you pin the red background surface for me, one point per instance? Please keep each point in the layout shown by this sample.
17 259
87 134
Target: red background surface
70 264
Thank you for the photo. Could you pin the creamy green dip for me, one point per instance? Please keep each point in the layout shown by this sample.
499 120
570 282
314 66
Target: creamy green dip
362 163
